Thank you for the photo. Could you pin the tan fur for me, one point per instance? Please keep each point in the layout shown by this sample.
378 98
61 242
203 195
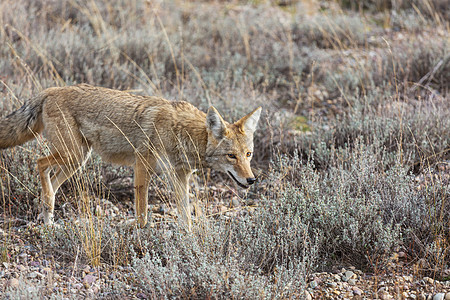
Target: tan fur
149 133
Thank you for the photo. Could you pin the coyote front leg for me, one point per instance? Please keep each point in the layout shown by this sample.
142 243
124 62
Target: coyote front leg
181 188
143 169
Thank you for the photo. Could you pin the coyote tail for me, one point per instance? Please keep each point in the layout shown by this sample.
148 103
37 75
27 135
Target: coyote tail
23 124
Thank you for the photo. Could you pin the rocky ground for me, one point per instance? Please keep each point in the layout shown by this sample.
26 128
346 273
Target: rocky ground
33 271
29 270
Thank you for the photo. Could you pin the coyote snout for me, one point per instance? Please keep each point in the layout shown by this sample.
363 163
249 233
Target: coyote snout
130 130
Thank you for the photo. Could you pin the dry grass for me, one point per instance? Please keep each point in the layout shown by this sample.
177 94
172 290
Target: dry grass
352 149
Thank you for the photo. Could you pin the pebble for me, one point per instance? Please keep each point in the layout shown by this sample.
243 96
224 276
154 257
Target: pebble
13 282
352 281
78 286
222 208
144 296
385 296
439 296
34 264
21 268
357 291
428 280
235 202
347 276
308 296
313 284
89 279
95 288
447 296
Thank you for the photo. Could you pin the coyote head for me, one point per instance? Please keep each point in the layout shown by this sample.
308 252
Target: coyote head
230 146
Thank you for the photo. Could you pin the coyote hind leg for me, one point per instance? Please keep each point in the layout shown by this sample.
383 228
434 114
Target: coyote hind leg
64 170
143 169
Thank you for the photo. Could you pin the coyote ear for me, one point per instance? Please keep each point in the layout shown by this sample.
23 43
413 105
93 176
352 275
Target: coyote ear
215 123
249 122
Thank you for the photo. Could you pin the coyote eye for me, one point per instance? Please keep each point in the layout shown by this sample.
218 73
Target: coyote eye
249 154
231 156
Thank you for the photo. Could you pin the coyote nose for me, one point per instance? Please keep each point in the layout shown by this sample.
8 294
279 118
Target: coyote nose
251 180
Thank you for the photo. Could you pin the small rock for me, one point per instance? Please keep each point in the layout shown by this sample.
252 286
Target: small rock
34 264
32 275
308 296
332 284
313 284
401 254
77 286
408 278
235 202
385 296
347 276
447 296
357 291
144 296
89 279
251 202
6 265
13 282
352 281
21 268
23 256
421 296
439 296
428 280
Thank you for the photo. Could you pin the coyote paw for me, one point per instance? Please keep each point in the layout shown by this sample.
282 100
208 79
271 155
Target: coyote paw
47 221
133 223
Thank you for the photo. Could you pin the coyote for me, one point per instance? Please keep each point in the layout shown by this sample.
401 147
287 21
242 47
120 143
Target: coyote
149 133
